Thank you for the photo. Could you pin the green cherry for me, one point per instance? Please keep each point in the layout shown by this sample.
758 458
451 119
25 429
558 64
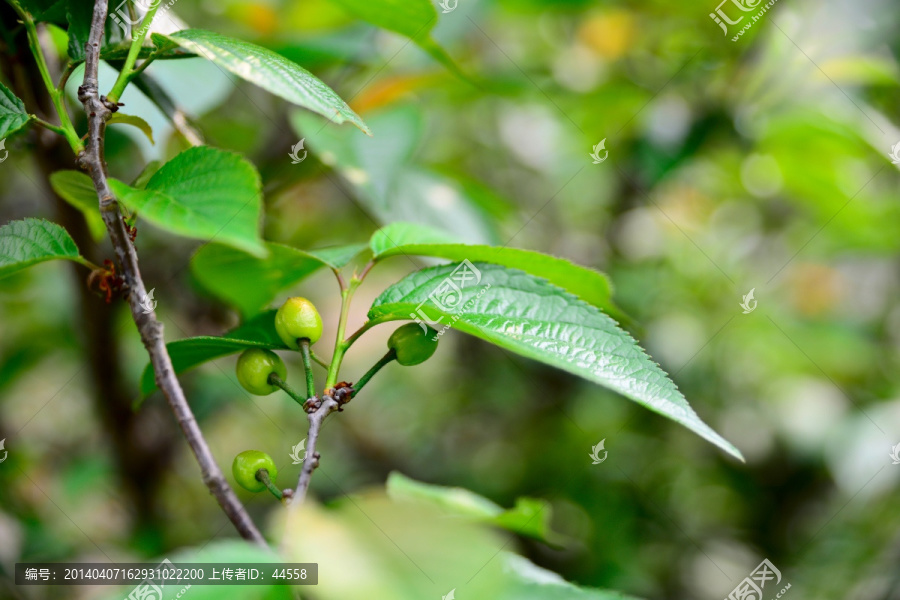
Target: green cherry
412 345
254 367
297 319
247 464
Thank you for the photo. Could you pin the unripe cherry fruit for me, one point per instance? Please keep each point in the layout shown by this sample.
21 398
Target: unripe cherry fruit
412 345
254 367
296 319
247 464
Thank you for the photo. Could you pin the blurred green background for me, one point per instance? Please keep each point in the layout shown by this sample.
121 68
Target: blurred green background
758 164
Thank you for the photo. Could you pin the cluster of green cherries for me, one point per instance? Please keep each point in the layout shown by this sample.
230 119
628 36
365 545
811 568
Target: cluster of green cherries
262 372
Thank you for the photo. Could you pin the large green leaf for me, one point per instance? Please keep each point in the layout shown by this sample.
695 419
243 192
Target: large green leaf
392 541
225 272
190 352
268 70
203 193
411 18
530 517
532 317
77 189
32 241
591 286
13 115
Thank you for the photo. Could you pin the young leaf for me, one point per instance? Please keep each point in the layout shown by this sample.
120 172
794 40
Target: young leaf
532 317
158 95
32 241
268 70
190 352
202 193
224 272
77 189
134 122
530 517
13 115
591 286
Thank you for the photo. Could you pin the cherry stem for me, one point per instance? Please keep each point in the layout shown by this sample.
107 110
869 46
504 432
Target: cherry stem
263 475
387 358
318 359
275 380
307 366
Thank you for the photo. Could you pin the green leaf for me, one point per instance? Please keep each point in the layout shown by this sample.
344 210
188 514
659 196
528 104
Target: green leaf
77 189
384 178
591 286
32 241
411 18
203 193
190 352
527 581
134 122
338 257
268 70
260 328
530 517
79 15
224 272
158 95
52 11
13 115
140 182
459 501
395 540
532 317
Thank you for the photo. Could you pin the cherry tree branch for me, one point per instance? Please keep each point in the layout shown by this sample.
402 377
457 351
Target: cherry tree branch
92 160
316 417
